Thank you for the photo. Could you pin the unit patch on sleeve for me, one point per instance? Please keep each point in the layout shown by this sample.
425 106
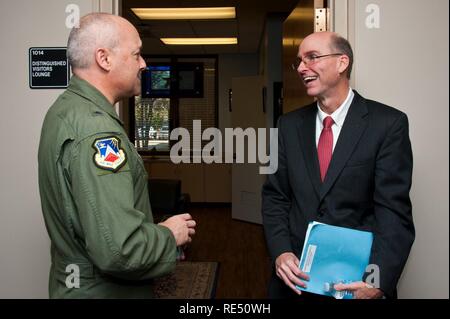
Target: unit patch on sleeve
109 155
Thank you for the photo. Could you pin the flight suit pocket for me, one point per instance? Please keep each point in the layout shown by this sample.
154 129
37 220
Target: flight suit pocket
67 270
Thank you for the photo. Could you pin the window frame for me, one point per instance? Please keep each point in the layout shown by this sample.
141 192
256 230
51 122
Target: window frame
174 114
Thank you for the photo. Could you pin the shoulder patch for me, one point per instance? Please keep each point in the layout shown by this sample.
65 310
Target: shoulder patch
109 155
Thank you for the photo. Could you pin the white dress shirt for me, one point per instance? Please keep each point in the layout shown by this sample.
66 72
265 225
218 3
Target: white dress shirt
338 117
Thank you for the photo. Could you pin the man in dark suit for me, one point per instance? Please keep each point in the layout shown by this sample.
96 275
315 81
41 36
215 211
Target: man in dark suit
345 161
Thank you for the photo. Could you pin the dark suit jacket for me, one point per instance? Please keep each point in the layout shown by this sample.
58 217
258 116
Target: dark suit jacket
366 187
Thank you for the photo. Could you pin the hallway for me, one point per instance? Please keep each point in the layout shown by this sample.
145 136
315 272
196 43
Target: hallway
238 246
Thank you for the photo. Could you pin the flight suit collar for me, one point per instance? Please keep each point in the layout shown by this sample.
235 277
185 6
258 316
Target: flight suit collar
88 91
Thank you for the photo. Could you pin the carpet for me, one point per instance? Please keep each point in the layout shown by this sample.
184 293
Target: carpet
190 280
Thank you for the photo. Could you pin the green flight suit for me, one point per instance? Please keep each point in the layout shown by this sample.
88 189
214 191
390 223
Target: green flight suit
97 212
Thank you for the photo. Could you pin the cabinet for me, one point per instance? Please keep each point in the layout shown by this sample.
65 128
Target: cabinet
208 183
217 180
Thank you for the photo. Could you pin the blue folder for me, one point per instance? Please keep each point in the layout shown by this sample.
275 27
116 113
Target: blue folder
334 255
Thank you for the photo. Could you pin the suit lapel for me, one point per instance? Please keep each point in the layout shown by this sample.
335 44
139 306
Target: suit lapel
354 125
306 128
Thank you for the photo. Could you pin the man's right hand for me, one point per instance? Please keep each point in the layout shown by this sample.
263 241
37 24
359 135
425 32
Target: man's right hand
286 266
182 227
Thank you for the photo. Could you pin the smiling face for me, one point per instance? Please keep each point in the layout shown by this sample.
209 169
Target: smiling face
322 76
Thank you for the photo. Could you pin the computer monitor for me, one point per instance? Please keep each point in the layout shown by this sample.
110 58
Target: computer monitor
177 80
156 81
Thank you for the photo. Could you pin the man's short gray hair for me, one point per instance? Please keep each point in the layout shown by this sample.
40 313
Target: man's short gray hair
341 45
96 30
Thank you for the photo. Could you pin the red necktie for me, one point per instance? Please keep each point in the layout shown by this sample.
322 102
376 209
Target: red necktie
325 147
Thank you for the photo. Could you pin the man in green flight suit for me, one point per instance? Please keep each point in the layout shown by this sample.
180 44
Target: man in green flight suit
92 182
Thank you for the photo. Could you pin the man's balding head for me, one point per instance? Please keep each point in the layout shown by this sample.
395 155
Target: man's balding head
105 51
95 30
335 43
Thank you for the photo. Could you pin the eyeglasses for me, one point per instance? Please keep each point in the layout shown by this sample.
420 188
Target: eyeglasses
310 59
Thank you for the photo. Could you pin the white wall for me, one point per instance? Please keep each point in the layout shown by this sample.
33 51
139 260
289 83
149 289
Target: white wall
230 66
404 63
24 243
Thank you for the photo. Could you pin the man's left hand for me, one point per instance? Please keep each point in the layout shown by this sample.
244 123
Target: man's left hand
361 290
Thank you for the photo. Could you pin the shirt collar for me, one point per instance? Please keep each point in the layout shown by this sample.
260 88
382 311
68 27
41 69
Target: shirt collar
339 114
88 91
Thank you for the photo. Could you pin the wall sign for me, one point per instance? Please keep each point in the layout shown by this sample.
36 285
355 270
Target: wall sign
49 68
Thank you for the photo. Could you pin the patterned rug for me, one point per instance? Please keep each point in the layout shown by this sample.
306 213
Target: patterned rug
190 280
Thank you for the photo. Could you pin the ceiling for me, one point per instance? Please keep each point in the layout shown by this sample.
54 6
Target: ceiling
247 27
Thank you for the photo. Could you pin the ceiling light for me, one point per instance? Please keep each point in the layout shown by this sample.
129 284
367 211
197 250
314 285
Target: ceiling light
185 13
198 41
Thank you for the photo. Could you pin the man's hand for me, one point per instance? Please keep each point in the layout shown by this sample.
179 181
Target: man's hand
361 290
286 266
182 227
